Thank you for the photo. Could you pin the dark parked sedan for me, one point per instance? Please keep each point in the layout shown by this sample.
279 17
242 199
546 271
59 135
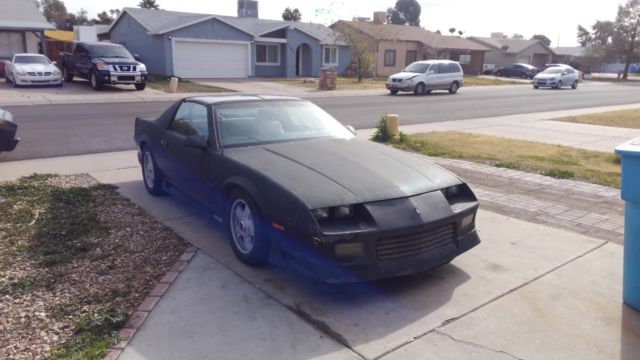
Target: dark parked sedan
8 129
524 71
293 186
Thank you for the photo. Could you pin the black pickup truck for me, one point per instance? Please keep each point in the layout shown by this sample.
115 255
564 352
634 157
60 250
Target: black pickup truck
103 63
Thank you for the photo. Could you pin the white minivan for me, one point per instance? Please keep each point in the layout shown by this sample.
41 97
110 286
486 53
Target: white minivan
421 77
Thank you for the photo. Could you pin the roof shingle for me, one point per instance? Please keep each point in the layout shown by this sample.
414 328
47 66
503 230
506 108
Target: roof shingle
22 14
415 33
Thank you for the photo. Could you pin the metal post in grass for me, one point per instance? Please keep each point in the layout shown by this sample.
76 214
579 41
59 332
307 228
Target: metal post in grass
393 125
630 154
173 84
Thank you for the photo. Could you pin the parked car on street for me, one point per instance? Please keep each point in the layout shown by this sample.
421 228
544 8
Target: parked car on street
556 77
8 129
32 69
523 71
295 187
421 77
103 63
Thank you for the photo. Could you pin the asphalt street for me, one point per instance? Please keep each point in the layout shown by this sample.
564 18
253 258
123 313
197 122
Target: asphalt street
72 129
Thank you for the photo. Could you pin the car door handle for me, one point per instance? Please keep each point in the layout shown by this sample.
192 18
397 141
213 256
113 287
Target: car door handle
164 142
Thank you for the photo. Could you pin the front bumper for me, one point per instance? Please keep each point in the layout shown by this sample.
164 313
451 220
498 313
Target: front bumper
401 243
8 141
545 82
400 86
26 80
112 77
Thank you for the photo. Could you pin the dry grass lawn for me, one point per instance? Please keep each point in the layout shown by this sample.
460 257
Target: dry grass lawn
622 118
552 160
184 86
346 83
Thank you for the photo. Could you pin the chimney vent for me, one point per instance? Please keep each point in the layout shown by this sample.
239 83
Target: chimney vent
247 8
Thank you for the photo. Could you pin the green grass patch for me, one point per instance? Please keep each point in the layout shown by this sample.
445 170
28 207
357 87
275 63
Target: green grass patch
623 118
161 83
550 160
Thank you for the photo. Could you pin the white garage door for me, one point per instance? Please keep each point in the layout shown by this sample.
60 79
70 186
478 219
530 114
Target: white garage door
193 59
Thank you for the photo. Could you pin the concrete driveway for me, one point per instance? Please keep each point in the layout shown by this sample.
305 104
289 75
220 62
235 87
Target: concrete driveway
528 291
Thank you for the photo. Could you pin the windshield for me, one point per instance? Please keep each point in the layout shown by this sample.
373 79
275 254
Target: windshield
110 52
416 67
248 123
553 70
32 59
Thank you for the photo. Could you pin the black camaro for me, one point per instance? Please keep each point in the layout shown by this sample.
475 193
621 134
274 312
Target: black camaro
8 129
293 186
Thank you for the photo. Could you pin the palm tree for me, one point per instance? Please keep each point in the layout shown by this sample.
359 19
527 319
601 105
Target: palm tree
149 4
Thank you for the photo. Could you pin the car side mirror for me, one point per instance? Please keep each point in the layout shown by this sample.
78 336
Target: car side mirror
352 129
196 142
136 56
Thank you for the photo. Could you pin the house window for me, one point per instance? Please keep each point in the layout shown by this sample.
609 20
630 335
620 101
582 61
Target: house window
267 54
465 59
330 56
412 56
389 58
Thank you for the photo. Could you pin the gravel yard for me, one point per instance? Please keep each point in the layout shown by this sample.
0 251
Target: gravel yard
76 259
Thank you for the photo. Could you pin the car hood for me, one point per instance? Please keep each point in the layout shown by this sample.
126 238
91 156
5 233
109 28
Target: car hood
36 67
343 171
404 75
547 76
117 61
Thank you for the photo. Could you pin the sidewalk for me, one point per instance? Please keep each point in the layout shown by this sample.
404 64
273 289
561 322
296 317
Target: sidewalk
538 127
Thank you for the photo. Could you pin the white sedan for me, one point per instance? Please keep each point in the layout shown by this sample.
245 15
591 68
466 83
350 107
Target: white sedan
556 77
32 69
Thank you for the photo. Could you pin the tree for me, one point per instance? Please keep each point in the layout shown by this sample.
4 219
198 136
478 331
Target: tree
583 36
627 34
460 32
291 15
55 12
149 4
452 30
602 32
114 13
405 12
103 18
517 37
359 43
542 38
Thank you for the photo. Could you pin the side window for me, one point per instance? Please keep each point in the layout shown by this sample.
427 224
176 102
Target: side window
442 68
191 119
570 71
81 50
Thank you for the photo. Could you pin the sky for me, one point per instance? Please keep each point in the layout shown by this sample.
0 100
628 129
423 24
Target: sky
557 19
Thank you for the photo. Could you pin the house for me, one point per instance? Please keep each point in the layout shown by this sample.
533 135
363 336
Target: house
191 45
396 46
508 51
22 28
91 33
568 54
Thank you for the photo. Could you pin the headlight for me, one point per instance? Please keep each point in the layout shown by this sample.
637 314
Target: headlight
343 212
21 72
320 214
142 67
56 72
102 66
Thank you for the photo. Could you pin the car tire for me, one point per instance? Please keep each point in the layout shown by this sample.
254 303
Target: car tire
559 85
68 77
14 83
141 86
574 85
96 84
453 88
393 92
427 92
419 89
247 235
151 175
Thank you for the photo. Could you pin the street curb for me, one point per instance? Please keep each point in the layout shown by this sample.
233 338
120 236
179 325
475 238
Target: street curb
138 317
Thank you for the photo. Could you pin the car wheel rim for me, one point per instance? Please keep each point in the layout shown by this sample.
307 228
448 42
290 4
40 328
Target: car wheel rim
93 80
454 88
242 226
149 170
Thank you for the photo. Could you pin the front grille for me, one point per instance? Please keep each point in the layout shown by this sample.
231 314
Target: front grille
126 78
415 243
47 73
396 80
125 68
31 73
